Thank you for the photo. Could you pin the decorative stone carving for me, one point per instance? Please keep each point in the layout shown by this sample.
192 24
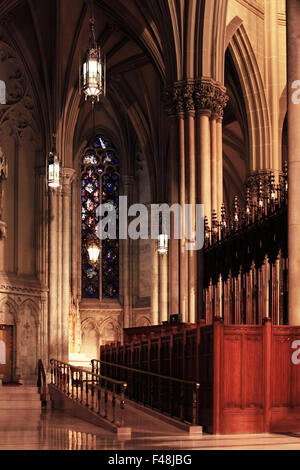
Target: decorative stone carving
27 340
17 115
3 176
143 321
6 314
12 76
198 95
19 290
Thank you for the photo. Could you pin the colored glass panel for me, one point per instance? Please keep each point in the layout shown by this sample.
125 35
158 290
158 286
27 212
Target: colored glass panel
100 184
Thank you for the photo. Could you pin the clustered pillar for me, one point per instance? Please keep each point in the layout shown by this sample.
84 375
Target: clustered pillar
197 106
293 55
59 267
127 250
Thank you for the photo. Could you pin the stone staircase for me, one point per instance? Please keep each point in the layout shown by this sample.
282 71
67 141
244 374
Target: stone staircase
19 397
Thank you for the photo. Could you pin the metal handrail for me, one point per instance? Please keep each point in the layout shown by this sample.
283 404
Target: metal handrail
146 372
42 382
181 382
70 379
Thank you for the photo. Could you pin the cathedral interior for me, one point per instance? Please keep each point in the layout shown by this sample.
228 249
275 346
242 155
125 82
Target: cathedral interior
194 102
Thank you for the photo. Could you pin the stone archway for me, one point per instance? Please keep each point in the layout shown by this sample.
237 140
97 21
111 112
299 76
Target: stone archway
109 333
8 339
90 339
27 340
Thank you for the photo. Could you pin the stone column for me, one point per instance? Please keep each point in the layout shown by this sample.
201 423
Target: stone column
74 237
204 161
163 287
59 273
44 328
293 56
3 237
214 163
68 174
192 285
182 195
203 191
210 100
127 281
155 285
3 225
173 255
41 224
219 130
53 338
194 101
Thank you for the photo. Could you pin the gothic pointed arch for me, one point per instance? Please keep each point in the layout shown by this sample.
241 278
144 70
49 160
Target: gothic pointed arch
253 91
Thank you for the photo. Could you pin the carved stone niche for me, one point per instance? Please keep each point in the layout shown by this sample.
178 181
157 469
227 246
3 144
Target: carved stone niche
27 337
6 314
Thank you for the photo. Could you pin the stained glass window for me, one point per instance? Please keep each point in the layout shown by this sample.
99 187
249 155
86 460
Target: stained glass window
99 185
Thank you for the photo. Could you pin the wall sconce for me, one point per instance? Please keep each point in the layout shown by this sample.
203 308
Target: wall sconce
162 244
53 168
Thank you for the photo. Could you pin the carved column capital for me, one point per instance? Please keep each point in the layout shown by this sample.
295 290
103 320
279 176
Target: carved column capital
202 95
178 98
68 176
210 96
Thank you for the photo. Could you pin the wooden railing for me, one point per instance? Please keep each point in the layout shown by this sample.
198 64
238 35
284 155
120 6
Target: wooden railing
42 383
246 257
98 393
167 395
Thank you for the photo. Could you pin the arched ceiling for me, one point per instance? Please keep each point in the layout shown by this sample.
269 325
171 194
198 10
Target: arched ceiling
148 44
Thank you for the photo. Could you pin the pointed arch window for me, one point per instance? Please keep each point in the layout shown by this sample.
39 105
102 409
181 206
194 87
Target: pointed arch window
2 92
99 185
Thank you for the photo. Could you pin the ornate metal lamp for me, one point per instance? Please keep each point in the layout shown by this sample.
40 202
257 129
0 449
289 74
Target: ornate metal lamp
162 245
53 167
92 68
93 248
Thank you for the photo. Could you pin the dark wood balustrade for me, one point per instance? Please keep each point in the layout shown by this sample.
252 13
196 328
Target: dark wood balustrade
173 396
42 383
96 392
245 372
245 257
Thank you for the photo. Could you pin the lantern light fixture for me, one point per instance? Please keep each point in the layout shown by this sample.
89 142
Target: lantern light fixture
93 249
162 245
92 68
53 167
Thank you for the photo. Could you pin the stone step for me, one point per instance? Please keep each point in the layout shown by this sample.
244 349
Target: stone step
18 388
9 391
22 395
20 404
19 396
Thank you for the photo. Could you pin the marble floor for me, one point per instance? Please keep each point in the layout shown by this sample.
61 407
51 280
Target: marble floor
24 425
53 430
